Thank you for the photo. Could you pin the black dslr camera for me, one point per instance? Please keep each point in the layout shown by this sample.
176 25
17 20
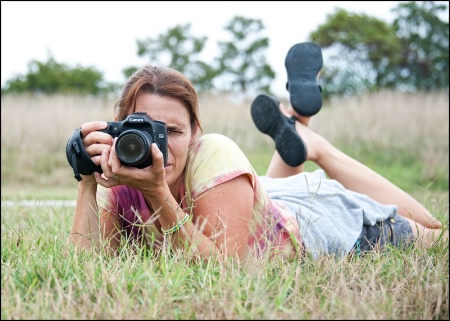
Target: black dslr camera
135 135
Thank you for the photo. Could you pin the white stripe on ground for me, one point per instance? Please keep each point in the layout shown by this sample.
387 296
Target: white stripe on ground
40 203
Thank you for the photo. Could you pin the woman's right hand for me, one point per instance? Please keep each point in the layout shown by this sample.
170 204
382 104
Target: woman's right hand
94 141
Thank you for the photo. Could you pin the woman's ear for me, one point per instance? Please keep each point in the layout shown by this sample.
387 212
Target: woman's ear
194 134
194 131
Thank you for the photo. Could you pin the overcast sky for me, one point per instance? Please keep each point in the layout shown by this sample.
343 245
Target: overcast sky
103 34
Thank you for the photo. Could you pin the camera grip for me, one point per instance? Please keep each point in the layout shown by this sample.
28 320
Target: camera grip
77 157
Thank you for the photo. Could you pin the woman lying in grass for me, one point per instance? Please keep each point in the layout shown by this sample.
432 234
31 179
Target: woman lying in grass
204 194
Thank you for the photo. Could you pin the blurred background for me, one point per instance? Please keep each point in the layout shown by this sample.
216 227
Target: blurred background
92 47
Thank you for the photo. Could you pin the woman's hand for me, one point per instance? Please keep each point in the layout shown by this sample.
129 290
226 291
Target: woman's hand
95 142
149 180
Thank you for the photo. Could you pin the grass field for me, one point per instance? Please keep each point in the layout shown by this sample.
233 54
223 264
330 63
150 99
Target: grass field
405 137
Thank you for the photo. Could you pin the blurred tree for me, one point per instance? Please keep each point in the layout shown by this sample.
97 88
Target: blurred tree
365 53
362 48
424 46
179 50
51 77
243 65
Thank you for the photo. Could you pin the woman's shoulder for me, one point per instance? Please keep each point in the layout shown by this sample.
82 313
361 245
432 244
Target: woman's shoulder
214 160
212 138
216 144
216 155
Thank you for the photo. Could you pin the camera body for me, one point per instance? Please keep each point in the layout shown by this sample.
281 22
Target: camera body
135 135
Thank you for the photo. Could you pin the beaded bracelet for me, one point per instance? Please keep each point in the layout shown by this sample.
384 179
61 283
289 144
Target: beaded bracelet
176 227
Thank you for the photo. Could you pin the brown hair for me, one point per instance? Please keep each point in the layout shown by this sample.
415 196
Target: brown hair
164 82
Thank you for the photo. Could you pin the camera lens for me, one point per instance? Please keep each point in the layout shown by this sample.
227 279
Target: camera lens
133 148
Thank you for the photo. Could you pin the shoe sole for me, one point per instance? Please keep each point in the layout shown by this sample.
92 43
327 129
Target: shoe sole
303 62
269 120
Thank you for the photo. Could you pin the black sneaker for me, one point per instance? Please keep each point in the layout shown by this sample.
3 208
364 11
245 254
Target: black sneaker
303 62
268 119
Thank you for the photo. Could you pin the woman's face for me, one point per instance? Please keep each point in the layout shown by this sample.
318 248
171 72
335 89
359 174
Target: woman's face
176 117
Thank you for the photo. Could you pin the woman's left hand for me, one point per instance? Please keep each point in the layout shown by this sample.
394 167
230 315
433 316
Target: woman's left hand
146 180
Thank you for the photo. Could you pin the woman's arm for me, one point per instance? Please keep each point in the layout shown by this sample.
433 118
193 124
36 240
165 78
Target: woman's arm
221 219
90 224
85 228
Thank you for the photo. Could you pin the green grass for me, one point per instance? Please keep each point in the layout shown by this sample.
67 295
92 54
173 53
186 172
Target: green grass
401 165
43 278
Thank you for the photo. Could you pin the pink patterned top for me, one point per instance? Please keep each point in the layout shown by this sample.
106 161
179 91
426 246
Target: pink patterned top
213 160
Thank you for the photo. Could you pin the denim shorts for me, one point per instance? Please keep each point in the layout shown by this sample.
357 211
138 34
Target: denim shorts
395 231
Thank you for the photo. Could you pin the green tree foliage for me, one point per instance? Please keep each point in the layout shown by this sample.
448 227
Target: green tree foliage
362 49
366 53
178 49
424 41
240 66
51 77
242 62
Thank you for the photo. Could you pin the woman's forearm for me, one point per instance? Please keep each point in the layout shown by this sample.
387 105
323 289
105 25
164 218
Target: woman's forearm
190 235
85 228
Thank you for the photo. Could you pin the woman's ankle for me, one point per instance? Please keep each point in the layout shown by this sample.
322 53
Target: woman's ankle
302 119
317 147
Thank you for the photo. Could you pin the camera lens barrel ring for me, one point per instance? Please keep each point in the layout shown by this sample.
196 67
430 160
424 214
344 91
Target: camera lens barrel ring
133 148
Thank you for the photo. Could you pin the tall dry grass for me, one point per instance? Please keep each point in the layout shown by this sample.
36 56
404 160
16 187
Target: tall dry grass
382 130
391 120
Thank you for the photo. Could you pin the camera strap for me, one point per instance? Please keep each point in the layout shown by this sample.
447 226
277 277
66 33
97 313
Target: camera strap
75 168
77 157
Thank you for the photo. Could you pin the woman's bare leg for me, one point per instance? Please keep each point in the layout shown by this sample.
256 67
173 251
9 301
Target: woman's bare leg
357 177
352 174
